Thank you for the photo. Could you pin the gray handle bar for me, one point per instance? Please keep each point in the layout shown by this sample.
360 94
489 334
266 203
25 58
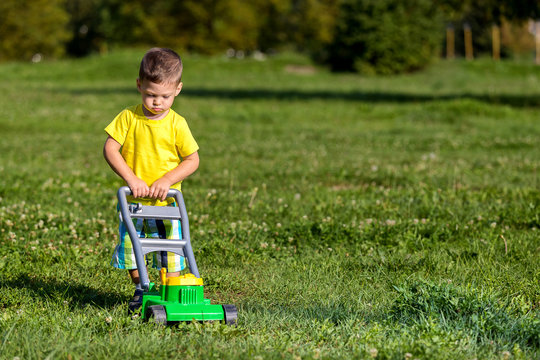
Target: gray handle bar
142 246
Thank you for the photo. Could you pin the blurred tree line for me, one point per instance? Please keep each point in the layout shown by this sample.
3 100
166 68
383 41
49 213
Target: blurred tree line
383 36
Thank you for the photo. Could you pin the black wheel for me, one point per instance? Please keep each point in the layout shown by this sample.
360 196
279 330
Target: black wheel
157 314
231 314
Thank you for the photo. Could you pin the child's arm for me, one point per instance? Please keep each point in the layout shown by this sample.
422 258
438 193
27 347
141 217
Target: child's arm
188 166
111 152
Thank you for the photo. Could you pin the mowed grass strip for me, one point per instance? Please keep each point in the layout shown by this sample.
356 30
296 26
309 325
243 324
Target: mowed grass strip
346 216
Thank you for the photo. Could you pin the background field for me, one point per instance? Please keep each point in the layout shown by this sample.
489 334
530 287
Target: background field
345 216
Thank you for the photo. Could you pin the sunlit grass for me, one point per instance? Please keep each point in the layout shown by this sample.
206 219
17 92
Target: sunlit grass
345 216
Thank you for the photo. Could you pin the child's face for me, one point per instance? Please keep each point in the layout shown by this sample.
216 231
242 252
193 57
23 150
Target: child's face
157 98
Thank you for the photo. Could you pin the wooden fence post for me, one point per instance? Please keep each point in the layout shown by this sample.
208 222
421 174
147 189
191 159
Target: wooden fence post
450 42
537 40
468 41
496 40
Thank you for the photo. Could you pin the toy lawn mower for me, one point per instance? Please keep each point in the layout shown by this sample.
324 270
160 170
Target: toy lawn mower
178 298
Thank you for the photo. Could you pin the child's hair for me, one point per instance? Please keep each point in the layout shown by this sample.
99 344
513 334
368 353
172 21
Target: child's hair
161 65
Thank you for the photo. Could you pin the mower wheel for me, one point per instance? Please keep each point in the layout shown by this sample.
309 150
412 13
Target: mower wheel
157 314
231 314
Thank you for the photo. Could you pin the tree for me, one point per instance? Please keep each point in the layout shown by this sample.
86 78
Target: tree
204 26
85 25
384 36
304 24
492 10
32 27
517 10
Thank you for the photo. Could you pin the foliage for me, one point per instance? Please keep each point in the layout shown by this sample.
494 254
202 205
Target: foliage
202 26
493 10
199 26
32 27
391 35
385 37
305 24
88 26
517 9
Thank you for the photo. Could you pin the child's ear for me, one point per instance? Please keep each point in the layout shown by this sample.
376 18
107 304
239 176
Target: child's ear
138 84
179 88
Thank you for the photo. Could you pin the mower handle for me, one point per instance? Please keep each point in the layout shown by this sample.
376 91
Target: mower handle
122 194
126 191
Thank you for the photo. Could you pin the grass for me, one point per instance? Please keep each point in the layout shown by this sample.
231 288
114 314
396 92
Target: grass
345 216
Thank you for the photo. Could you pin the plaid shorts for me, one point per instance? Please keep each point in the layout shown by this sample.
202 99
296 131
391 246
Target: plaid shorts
124 257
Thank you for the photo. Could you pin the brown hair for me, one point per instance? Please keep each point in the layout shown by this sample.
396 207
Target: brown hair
161 65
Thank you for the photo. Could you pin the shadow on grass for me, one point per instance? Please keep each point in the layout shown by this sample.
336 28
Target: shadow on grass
75 294
361 96
520 101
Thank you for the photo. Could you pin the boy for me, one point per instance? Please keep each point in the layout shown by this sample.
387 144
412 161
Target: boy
151 147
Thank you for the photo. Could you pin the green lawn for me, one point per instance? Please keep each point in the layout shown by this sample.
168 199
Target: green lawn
345 216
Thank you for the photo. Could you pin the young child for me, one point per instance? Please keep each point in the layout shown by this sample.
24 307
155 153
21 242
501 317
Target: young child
151 147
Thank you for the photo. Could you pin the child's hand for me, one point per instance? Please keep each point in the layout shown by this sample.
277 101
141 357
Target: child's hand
138 188
160 188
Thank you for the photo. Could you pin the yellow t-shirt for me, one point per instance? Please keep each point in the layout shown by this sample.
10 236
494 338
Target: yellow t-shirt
151 148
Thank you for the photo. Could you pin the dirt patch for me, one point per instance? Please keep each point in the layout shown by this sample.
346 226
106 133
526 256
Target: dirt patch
300 69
